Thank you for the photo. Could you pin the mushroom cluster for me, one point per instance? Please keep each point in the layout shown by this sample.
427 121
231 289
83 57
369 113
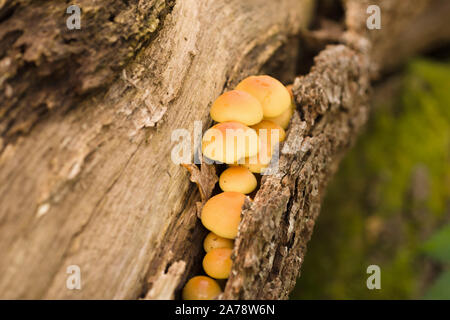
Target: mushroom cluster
251 122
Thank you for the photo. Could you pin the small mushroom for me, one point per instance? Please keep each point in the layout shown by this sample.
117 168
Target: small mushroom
283 119
269 134
254 164
238 179
222 214
271 93
289 89
217 263
201 288
238 106
213 241
230 141
270 129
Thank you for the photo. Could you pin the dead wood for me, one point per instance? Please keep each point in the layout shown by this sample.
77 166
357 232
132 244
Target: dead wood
86 120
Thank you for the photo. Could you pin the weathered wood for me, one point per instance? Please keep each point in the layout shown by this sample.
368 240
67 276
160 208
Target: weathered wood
90 182
406 28
333 105
94 185
44 66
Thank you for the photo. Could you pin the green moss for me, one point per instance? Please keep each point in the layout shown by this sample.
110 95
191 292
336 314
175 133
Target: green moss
392 189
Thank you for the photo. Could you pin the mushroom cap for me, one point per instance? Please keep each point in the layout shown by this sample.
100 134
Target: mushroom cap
271 93
238 106
213 241
283 119
267 142
289 89
255 165
221 214
217 263
201 288
238 179
269 126
229 141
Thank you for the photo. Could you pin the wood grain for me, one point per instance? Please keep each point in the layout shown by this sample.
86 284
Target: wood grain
94 185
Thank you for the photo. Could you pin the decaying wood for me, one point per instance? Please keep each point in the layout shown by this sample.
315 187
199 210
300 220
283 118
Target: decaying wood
332 102
406 28
333 106
94 185
44 66
85 165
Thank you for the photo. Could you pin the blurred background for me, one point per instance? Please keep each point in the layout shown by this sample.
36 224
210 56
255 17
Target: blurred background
389 203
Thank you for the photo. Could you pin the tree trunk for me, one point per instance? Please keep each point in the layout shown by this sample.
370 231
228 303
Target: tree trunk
86 121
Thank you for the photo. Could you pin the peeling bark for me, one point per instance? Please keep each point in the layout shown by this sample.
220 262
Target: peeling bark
271 244
85 164
93 185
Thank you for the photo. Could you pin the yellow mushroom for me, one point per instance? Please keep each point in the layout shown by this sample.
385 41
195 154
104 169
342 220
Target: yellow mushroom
201 288
222 214
271 93
269 134
238 179
258 163
238 106
270 129
217 263
213 241
229 141
254 165
283 119
289 89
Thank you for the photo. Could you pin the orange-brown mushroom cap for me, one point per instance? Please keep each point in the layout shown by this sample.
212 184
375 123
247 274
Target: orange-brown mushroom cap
283 119
289 89
238 179
269 135
222 214
213 241
270 129
271 93
217 263
230 141
258 163
238 106
201 288
255 165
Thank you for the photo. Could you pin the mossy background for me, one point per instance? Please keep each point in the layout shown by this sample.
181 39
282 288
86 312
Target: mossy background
390 196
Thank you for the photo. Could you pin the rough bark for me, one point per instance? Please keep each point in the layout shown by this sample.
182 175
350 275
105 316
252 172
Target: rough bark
332 101
276 226
44 66
90 181
93 185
